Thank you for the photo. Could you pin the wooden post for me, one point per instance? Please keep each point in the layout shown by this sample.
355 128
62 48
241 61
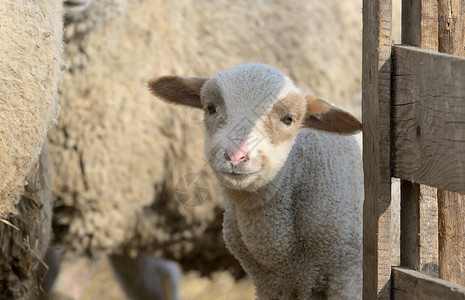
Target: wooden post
419 230
451 237
452 27
376 86
452 205
420 23
419 211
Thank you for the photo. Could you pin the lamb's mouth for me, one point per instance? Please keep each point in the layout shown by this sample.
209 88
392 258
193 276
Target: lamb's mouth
239 175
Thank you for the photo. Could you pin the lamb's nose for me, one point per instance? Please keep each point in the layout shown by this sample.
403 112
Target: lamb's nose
236 156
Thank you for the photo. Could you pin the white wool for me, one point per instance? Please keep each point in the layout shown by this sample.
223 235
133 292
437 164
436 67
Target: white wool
309 232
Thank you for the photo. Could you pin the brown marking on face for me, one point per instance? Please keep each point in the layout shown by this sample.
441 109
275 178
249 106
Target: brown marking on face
293 105
323 116
211 94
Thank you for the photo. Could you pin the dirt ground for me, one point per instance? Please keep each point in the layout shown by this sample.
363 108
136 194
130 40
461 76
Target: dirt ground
221 286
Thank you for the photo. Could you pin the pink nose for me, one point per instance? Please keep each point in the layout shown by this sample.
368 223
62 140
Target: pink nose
236 156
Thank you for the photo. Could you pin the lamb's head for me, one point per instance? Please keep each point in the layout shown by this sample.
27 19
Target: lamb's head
253 113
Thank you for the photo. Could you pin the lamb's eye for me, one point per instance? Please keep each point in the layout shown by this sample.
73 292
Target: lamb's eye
211 109
288 119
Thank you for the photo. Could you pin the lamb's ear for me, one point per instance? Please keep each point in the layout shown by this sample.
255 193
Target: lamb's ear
178 89
323 116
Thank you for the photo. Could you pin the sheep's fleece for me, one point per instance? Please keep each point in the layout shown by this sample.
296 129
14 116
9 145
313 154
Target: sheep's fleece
30 67
119 154
31 34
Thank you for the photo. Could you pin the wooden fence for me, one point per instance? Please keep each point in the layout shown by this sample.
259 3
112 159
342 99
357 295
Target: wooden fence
414 129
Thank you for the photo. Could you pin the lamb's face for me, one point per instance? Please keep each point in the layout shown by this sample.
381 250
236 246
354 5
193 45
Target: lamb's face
252 116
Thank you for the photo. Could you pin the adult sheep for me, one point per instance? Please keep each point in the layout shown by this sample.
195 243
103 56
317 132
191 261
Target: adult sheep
30 67
119 155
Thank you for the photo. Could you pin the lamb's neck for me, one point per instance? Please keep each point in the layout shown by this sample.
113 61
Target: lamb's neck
265 221
267 202
252 201
261 198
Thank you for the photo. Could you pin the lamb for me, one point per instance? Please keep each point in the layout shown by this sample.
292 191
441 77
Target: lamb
293 194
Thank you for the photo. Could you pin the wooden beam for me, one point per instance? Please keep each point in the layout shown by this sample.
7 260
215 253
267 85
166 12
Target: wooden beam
452 205
412 285
428 124
376 86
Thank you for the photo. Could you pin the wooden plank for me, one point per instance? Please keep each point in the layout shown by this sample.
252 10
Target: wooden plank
428 118
376 147
419 211
452 205
419 228
413 285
